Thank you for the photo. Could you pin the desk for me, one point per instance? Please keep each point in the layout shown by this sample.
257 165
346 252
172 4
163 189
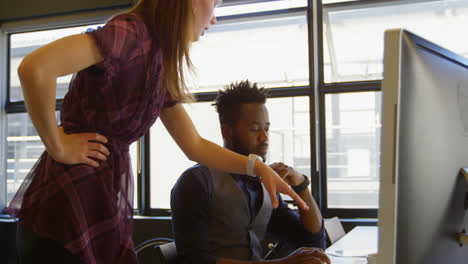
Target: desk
354 247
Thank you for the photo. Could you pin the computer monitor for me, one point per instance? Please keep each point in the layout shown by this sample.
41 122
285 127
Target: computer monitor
424 146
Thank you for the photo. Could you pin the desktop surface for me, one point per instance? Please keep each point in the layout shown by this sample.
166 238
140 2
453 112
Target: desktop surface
355 246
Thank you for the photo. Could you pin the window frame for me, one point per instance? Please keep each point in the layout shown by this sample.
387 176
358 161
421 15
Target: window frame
3 131
325 89
316 91
279 92
274 92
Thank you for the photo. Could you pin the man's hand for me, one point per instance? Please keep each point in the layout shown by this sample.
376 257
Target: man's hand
311 219
306 255
288 174
273 183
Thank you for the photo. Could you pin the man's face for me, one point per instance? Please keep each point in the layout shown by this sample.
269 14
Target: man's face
250 133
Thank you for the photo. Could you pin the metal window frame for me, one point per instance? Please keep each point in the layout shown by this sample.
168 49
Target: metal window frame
340 88
316 91
335 88
145 194
274 92
3 117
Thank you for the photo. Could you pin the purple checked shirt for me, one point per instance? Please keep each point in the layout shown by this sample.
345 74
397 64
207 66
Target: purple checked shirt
89 210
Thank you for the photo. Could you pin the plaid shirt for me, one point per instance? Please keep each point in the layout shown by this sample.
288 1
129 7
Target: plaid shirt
89 210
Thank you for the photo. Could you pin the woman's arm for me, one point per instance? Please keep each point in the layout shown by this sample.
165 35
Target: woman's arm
38 74
196 148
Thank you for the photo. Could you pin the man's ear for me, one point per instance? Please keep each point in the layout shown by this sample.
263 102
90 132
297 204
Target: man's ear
226 131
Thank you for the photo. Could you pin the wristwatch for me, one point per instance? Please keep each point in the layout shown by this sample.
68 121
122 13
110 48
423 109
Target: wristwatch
302 186
251 164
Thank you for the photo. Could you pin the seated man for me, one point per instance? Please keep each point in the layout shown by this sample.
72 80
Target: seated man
221 218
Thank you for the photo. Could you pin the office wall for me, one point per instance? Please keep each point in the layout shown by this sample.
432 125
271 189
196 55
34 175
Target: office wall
22 9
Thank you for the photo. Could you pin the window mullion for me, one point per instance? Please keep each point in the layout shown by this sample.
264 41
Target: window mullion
3 128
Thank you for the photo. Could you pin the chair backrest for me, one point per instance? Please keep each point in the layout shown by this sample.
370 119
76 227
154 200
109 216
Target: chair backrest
149 252
167 253
334 229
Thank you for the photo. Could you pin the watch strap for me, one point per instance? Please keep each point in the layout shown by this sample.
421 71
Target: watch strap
302 186
251 163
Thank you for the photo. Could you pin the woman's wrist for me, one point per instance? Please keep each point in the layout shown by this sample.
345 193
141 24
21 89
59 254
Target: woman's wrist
54 150
259 168
250 166
54 144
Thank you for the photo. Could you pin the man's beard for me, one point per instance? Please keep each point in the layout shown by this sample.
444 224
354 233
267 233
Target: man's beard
236 147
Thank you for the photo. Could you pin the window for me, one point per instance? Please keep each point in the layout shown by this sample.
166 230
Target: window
23 149
268 48
353 37
353 149
289 142
21 44
328 128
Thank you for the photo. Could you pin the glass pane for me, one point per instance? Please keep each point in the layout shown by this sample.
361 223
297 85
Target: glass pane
337 1
270 51
289 142
133 157
167 161
24 148
227 10
21 44
353 128
353 36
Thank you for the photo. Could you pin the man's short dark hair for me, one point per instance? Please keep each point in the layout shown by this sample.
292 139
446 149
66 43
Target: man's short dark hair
229 101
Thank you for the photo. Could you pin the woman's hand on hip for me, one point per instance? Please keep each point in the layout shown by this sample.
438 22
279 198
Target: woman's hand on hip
81 148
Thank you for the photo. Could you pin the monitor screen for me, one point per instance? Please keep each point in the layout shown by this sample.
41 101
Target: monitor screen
424 146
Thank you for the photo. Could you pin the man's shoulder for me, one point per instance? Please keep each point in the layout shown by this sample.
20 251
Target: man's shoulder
195 175
199 169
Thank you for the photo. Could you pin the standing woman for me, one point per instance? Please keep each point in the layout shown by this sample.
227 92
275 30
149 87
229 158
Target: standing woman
76 204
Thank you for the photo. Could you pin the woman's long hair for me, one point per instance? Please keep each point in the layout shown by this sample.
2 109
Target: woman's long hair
172 21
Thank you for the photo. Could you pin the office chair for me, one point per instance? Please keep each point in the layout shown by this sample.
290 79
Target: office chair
334 229
167 253
162 250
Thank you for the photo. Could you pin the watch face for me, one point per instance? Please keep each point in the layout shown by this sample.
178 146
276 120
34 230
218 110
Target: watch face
255 156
